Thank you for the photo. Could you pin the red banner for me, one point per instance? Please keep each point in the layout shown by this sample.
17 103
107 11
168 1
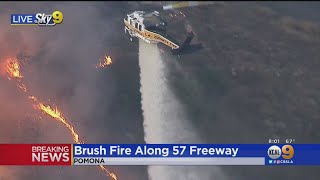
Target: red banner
36 154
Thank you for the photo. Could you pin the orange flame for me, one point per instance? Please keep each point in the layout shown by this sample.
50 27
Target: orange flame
107 61
112 175
57 115
33 98
22 87
13 69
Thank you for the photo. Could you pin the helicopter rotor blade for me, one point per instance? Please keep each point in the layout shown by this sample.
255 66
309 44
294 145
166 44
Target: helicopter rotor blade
187 4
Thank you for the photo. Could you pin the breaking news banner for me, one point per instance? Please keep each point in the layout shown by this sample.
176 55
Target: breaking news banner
36 154
159 154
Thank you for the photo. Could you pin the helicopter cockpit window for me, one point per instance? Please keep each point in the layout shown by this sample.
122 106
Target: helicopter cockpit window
133 20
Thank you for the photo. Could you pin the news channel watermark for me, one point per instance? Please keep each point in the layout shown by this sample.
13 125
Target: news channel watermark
38 19
281 155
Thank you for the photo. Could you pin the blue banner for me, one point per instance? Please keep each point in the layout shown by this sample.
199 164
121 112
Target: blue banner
274 154
23 19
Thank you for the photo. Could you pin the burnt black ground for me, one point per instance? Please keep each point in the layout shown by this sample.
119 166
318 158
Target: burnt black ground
256 79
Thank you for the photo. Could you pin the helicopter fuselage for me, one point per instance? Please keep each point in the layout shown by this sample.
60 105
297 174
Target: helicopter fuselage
135 27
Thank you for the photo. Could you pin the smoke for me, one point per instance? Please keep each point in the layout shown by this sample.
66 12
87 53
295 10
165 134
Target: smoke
57 64
164 117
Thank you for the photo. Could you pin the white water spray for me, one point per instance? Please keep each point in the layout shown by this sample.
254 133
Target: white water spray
164 119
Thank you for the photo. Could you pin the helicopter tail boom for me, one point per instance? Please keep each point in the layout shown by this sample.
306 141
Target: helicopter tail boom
185 44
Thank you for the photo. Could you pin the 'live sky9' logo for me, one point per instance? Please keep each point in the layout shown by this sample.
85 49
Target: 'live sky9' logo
275 152
40 19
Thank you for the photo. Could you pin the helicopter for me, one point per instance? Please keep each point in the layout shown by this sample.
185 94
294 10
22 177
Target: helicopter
151 28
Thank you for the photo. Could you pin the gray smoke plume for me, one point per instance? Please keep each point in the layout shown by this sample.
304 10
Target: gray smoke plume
57 64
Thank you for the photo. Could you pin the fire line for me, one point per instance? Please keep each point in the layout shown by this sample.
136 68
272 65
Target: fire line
107 61
13 69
